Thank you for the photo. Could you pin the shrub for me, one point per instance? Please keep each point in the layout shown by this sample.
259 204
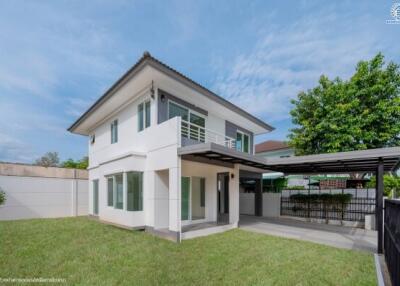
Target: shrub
2 197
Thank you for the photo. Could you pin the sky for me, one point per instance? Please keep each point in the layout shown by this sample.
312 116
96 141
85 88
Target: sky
58 57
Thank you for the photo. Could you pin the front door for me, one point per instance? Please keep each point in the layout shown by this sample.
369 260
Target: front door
223 197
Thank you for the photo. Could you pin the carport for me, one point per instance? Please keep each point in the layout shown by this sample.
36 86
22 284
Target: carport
375 161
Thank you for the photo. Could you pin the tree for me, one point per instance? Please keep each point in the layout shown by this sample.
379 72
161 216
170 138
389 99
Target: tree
2 197
391 185
79 164
50 159
360 113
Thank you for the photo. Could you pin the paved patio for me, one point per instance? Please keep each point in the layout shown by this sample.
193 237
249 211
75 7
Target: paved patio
338 236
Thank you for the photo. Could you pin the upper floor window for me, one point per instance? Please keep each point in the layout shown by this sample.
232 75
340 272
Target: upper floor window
114 131
192 123
144 115
242 142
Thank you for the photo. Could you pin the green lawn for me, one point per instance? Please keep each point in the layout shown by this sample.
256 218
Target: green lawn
87 252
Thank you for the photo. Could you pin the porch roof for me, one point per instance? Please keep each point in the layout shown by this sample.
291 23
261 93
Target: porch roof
216 152
340 162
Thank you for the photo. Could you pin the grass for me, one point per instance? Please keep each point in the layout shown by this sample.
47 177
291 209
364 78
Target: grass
86 252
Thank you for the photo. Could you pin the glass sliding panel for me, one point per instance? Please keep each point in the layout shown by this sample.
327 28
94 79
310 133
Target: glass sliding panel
147 112
110 191
197 133
140 117
246 143
239 141
95 197
176 110
114 131
119 192
134 191
185 193
198 190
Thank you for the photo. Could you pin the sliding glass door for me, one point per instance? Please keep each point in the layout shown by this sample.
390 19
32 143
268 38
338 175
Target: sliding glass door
185 196
193 198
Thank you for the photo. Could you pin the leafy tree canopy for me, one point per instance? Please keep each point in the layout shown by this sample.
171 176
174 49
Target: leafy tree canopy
50 159
344 115
78 164
391 185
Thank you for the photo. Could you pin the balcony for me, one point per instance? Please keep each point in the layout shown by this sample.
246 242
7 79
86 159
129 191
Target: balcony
194 134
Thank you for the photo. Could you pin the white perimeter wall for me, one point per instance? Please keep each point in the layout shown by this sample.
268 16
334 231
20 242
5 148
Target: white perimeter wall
41 197
247 203
271 204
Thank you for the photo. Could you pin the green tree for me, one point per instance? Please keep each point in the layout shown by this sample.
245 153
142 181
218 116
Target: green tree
2 197
360 113
391 185
79 164
50 159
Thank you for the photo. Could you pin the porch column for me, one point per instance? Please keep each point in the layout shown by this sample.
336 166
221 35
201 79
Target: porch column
175 200
234 195
258 197
379 204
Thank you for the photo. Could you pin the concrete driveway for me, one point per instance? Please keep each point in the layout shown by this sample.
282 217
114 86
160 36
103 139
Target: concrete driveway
338 236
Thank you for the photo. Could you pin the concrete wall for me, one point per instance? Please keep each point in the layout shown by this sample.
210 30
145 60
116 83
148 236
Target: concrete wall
247 204
271 204
39 192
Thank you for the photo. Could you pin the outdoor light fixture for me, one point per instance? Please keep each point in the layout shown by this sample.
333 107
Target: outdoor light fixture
232 176
162 97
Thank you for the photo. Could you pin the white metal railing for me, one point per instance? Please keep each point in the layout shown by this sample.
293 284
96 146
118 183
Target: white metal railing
198 133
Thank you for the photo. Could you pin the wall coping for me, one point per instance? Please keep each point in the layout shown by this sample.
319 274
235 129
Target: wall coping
28 170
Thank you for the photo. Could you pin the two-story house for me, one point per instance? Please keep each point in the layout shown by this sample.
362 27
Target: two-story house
166 154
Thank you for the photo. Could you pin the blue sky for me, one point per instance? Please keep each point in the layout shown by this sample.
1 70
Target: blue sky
57 57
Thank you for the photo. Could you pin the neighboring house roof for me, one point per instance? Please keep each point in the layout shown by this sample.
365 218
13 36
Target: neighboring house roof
271 145
148 59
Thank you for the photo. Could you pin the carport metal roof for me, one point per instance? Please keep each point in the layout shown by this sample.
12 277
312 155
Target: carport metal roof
372 160
340 162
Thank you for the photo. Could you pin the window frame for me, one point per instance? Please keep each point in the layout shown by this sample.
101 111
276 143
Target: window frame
146 114
242 135
190 111
140 196
114 131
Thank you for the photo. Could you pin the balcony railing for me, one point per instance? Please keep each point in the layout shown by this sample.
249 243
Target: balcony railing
195 133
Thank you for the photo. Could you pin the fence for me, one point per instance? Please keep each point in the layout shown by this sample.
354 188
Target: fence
39 192
361 204
392 239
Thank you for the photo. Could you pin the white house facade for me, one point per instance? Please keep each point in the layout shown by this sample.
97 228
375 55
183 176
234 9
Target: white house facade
168 155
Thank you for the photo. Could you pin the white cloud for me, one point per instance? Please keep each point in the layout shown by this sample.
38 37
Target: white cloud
291 58
12 149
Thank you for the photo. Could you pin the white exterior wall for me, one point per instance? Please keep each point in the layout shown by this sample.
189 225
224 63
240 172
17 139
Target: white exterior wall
154 149
159 153
41 197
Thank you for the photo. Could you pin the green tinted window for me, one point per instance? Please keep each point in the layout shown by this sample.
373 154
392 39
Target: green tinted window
176 110
140 117
119 192
135 191
110 192
185 190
